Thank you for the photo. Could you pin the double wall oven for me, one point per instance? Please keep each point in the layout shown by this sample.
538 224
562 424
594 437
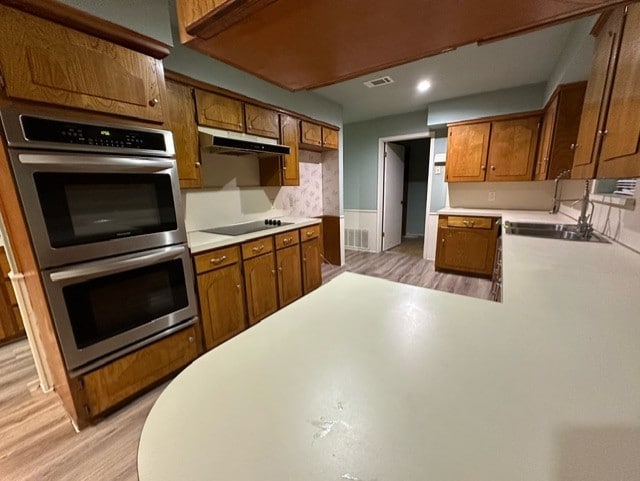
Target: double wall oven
103 207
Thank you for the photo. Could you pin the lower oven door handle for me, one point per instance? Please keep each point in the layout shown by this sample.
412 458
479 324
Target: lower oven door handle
111 266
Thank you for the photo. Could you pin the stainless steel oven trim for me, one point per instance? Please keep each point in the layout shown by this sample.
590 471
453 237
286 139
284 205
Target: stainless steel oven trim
54 280
11 120
25 163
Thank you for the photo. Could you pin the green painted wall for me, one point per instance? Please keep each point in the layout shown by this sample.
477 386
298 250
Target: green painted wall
148 17
360 165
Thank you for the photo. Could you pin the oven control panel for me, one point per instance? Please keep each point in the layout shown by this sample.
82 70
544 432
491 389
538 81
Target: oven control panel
64 132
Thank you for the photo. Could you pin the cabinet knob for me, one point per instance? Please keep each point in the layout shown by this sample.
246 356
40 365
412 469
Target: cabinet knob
443 241
153 102
238 286
191 339
484 167
309 233
493 167
273 271
603 132
239 125
197 164
573 146
280 269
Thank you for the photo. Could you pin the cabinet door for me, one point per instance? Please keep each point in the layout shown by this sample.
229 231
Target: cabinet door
222 304
182 121
219 111
260 286
544 153
329 138
290 163
49 63
467 148
620 153
261 121
311 265
466 250
289 275
512 149
595 100
310 134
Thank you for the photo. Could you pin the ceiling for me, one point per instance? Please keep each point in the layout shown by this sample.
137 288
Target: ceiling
512 62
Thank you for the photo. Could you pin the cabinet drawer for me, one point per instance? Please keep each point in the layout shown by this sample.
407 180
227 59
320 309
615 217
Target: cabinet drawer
287 239
119 380
216 259
257 247
470 222
311 232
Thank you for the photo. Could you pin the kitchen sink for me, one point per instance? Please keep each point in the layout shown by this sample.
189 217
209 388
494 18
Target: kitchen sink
551 231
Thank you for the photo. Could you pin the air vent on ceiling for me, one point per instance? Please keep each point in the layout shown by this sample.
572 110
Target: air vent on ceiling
377 82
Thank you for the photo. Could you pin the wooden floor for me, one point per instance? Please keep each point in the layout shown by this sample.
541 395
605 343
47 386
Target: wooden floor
37 441
412 246
408 269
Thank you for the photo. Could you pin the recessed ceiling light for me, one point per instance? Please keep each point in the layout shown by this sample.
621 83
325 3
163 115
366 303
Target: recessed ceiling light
424 85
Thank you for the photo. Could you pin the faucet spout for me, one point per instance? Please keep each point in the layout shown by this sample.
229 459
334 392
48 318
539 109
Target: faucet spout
555 206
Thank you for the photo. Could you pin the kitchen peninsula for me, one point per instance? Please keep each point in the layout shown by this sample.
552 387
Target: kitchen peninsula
368 379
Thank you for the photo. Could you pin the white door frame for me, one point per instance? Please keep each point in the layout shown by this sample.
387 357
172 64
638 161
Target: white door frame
397 138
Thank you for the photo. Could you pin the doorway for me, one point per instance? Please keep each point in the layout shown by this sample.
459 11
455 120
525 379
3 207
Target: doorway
403 187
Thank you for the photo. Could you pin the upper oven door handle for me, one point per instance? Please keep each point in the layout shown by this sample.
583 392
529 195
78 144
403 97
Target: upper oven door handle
93 163
101 268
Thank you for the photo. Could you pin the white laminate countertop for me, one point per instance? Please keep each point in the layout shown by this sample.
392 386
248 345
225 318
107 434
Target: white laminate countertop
199 241
366 379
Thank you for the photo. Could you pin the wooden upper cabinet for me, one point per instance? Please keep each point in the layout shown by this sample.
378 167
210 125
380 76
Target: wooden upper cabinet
207 18
544 152
467 148
596 98
310 134
290 163
560 131
512 149
182 121
46 62
329 138
219 111
620 152
261 121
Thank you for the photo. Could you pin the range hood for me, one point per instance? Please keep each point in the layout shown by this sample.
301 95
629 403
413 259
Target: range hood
224 142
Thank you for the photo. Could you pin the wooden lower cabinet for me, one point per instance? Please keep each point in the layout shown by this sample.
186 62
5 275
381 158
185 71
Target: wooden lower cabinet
221 304
261 287
110 385
311 265
11 326
289 275
466 244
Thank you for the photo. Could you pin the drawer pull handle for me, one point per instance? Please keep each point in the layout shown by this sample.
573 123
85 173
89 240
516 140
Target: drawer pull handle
286 240
258 248
218 260
309 233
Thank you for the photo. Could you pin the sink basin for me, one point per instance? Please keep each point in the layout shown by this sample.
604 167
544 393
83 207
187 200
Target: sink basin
551 231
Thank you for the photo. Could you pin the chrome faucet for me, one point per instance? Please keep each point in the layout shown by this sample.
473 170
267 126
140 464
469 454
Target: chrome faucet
555 206
584 221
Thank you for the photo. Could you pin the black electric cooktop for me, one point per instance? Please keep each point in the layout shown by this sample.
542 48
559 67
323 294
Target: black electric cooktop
247 228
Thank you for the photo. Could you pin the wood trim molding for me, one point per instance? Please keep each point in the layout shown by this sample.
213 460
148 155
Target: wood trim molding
222 17
496 118
190 81
84 22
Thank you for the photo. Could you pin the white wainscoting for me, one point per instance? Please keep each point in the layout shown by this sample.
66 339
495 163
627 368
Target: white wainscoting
432 237
360 230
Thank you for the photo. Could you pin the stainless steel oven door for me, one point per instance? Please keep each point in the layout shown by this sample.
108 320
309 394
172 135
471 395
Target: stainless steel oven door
103 309
86 206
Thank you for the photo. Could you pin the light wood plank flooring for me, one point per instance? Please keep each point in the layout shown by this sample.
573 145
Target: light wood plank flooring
407 269
37 441
412 246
